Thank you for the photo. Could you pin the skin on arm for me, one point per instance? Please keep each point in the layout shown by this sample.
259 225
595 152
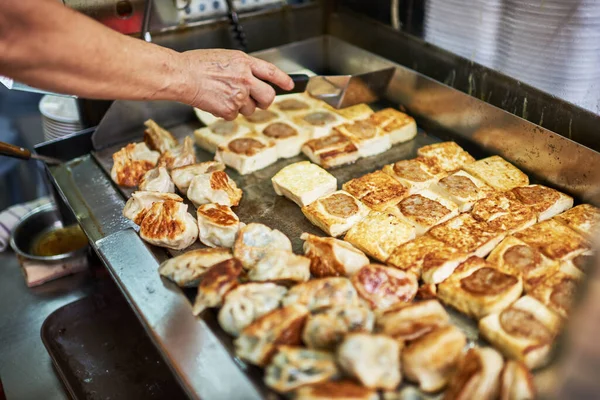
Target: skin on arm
47 45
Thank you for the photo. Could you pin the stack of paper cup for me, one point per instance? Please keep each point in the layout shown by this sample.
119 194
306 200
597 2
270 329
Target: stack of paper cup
60 116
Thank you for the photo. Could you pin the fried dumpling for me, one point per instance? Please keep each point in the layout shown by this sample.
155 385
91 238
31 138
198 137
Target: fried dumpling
322 293
141 201
182 176
248 302
216 282
168 224
411 321
256 240
158 138
281 266
476 375
326 329
185 270
218 225
179 156
516 382
332 257
157 180
131 163
336 390
293 367
383 287
214 187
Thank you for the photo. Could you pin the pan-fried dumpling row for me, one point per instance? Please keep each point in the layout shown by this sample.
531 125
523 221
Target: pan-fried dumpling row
131 163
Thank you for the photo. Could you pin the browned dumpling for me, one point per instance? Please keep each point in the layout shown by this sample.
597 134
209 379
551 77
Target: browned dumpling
140 202
131 163
182 176
322 293
218 225
158 138
332 257
216 282
516 382
186 269
157 180
254 241
411 321
214 187
168 224
336 390
326 329
179 156
477 375
383 287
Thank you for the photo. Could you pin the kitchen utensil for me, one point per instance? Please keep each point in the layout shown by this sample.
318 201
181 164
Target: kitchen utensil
10 150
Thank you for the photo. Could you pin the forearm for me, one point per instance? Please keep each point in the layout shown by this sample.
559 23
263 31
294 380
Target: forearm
47 45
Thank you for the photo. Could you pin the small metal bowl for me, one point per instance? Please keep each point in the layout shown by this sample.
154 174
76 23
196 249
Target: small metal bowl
33 226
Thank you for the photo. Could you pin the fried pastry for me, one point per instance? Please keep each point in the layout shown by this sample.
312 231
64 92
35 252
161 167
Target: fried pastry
141 201
318 122
255 240
182 176
524 331
356 112
368 137
497 173
462 189
219 133
216 282
399 126
321 293
157 180
247 153
332 257
554 240
477 375
288 138
411 321
217 225
376 190
158 138
248 302
131 163
281 266
179 156
374 360
557 291
416 174
258 342
186 269
336 390
476 289
543 201
303 182
214 187
331 150
516 382
326 329
431 359
449 156
583 219
169 224
503 213
379 234
383 287
335 213
293 367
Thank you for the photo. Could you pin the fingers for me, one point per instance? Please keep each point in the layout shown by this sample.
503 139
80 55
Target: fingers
268 72
248 107
262 93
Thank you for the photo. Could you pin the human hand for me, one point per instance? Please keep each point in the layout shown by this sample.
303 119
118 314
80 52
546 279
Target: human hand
228 82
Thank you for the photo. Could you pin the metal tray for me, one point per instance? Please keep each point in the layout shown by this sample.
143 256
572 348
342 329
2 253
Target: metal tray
198 351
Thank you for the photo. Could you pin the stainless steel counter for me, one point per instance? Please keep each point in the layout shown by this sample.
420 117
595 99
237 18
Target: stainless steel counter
25 366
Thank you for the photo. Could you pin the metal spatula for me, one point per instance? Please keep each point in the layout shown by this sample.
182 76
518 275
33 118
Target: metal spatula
341 91
10 150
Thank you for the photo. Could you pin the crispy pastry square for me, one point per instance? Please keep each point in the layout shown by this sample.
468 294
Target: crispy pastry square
516 382
219 133
258 342
554 240
411 321
186 269
217 225
545 202
377 190
498 173
182 176
431 359
318 122
416 174
332 257
462 189
214 187
379 234
158 138
336 390
247 154
131 163
335 213
583 219
288 137
400 126
321 293
477 375
331 150
368 137
281 266
326 329
503 212
515 257
303 182
216 282
557 291
477 289
524 331
383 287
260 119
372 359
467 235
424 210
449 156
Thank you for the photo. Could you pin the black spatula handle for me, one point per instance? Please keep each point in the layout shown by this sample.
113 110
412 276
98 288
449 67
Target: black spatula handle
300 83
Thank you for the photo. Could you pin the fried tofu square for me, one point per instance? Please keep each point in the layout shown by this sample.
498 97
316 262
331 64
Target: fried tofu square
331 150
293 104
260 119
411 321
449 156
428 258
523 331
517 258
583 219
555 240
376 190
467 235
545 202
497 173
463 189
378 234
303 182
318 122
557 291
400 126
416 174
384 287
477 289
354 113
219 133
288 137
247 154
424 210
368 137
503 213
336 213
